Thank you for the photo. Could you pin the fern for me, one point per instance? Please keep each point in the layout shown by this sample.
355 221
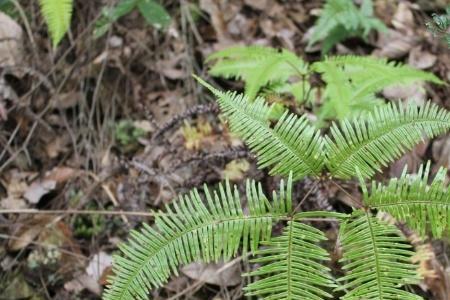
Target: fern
372 141
257 66
292 265
291 146
376 257
57 15
412 200
192 230
352 81
377 260
341 19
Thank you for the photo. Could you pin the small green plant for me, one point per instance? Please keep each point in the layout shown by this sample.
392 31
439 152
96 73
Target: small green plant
127 134
440 25
377 258
341 19
154 13
57 15
351 82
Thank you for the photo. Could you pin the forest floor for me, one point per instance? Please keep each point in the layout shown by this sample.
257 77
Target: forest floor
119 124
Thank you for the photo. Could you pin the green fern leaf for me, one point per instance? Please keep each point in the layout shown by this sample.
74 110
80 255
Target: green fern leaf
369 74
377 260
410 199
191 231
257 66
372 141
291 146
352 81
57 15
292 266
340 19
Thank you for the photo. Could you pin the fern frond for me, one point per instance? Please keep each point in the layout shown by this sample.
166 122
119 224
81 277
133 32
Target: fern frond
377 260
369 74
372 141
291 145
257 66
57 15
410 199
345 15
292 266
192 230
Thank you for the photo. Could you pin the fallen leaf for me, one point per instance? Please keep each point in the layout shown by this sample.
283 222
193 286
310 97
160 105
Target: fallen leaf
11 38
98 264
421 59
38 189
235 169
82 282
395 44
218 274
403 19
27 232
412 92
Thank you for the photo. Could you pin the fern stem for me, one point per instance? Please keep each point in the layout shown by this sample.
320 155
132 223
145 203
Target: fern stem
375 254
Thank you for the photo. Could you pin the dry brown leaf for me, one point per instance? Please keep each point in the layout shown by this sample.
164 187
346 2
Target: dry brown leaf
218 274
41 187
257 4
421 59
15 183
413 92
441 152
235 169
403 19
98 264
11 38
38 189
395 44
27 232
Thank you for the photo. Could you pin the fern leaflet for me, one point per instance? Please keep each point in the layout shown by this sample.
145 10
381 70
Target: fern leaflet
57 15
257 66
412 200
192 230
293 265
377 259
372 141
292 145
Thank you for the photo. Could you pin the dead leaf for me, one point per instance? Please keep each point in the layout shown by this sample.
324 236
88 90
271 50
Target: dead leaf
235 169
11 38
27 232
98 264
403 19
441 152
412 92
41 187
421 59
15 183
82 282
221 274
395 44
38 189
257 4
61 174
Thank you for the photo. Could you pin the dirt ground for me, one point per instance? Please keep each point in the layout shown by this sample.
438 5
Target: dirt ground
119 124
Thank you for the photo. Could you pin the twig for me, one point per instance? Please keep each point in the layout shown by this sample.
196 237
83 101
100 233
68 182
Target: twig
79 212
